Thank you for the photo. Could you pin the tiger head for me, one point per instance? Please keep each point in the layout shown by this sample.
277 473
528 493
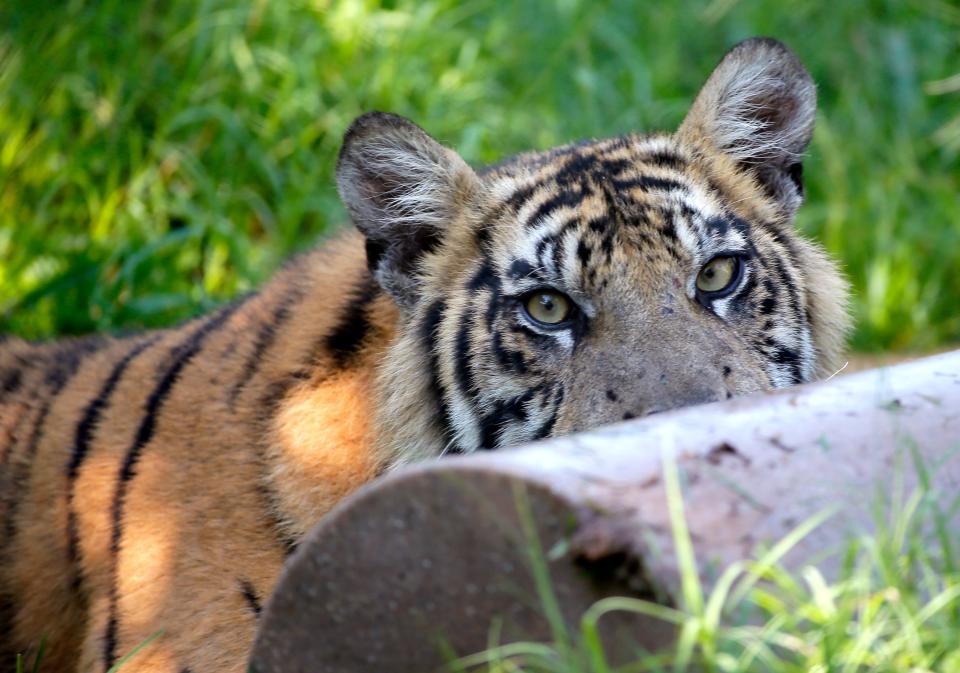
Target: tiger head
598 281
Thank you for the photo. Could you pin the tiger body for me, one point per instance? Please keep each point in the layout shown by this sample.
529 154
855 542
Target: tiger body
108 449
157 482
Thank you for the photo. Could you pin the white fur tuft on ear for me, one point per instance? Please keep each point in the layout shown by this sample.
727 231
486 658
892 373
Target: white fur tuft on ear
749 128
758 108
408 187
402 189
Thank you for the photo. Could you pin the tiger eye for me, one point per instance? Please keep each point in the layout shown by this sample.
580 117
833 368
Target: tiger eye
717 275
548 307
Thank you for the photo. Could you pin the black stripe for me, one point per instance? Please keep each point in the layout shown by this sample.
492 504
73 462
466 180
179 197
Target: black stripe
182 355
513 361
566 198
667 228
748 287
428 335
482 234
789 357
493 302
648 183
786 277
20 476
795 173
462 372
10 382
542 248
559 250
503 412
600 225
521 268
347 337
769 303
250 596
607 244
784 240
264 340
596 166
557 257
13 435
719 225
519 197
578 166
665 159
35 435
607 167
24 404
7 446
271 508
483 278
742 226
545 429
81 446
375 251
584 252
67 358
8 611
68 361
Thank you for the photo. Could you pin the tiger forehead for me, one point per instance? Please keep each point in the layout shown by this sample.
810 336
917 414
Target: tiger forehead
606 201
627 176
587 159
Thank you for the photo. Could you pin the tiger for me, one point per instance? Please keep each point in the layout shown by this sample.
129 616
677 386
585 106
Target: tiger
155 483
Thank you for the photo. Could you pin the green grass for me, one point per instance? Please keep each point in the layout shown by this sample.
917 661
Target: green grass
159 157
22 666
895 607
36 665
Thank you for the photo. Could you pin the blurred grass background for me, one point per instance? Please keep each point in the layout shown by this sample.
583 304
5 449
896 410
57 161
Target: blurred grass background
158 157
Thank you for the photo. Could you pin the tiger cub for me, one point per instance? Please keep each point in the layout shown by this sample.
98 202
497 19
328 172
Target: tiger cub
157 482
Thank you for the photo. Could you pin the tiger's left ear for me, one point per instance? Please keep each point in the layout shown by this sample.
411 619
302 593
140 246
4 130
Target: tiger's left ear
758 107
403 190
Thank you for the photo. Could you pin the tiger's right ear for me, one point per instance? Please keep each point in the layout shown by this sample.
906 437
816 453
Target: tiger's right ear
402 189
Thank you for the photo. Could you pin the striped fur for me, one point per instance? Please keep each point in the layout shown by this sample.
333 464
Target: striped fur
158 482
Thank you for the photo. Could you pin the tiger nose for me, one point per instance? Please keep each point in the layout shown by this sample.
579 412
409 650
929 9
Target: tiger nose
668 391
661 404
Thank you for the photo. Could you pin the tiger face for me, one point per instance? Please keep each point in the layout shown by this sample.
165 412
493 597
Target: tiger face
600 281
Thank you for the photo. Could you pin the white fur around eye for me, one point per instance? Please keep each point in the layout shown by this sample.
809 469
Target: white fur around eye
721 307
563 335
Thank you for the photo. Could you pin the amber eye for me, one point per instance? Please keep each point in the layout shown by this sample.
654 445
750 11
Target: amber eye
718 275
547 307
